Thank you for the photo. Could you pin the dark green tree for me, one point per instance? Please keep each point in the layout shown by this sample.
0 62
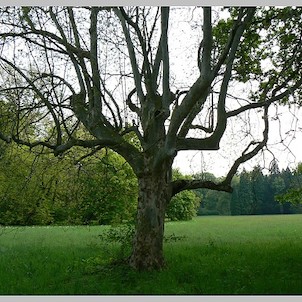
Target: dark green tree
288 178
258 186
275 185
245 195
235 206
293 192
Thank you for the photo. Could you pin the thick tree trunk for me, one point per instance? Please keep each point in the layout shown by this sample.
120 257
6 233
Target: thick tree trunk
154 194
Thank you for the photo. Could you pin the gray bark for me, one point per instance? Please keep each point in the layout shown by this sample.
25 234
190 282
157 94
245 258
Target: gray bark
154 194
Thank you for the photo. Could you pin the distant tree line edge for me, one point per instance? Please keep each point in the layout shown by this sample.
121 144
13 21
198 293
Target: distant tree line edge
40 189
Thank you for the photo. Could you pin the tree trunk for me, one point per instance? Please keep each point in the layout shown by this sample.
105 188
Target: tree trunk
154 194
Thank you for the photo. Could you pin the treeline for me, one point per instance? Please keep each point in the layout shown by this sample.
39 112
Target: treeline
40 189
255 193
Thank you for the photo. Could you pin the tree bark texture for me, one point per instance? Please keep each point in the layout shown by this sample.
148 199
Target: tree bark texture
154 194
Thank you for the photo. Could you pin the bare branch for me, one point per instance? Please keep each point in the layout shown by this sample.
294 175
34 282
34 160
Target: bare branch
92 152
184 184
205 129
205 71
207 42
157 62
200 88
130 104
74 27
136 73
165 57
268 101
95 99
134 129
38 92
118 125
146 70
33 144
248 155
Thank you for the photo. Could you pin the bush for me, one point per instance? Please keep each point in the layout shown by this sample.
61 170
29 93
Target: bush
183 206
122 235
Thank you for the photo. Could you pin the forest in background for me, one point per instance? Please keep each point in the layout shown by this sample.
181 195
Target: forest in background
73 189
256 193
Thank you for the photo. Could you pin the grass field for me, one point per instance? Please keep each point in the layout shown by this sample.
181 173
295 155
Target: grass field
217 255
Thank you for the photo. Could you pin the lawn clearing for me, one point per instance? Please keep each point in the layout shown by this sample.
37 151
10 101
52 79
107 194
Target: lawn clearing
216 255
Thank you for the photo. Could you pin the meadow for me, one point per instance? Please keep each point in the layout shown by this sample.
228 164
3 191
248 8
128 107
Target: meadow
208 255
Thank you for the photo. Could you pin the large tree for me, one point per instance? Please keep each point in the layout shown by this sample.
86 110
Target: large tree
109 69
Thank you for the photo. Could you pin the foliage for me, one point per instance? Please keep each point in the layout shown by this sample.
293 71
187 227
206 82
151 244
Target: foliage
293 194
265 190
108 190
184 205
37 189
255 194
247 63
215 203
41 189
99 190
122 235
22 198
272 38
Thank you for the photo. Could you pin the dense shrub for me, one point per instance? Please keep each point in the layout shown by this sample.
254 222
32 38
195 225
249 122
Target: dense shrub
183 206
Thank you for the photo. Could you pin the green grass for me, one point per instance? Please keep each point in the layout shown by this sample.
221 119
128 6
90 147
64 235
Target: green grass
219 255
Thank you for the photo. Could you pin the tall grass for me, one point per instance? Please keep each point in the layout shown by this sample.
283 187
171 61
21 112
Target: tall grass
217 255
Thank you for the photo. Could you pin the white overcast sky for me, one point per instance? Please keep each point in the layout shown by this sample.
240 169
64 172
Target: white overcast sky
218 162
151 2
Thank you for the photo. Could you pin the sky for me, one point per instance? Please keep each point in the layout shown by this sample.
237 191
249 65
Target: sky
150 2
287 154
